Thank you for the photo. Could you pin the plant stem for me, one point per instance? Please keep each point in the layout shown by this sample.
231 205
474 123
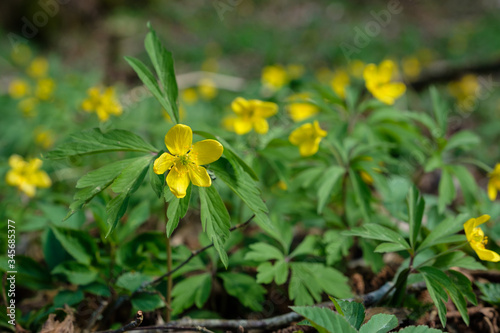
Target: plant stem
169 268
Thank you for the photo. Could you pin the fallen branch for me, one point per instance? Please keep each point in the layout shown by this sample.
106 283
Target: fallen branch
139 317
268 323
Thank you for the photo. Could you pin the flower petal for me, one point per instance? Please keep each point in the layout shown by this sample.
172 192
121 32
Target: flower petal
260 125
13 178
240 105
242 126
179 139
309 147
199 176
29 189
263 109
206 152
41 179
163 163
178 181
301 134
481 219
16 161
485 254
492 190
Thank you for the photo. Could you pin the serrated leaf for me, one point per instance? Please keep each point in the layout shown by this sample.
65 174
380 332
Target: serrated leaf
79 244
328 180
76 273
446 190
146 302
163 63
446 228
416 206
115 209
419 329
353 312
177 208
435 281
245 289
307 246
375 231
128 179
263 252
215 219
389 247
324 319
380 323
268 272
95 141
157 181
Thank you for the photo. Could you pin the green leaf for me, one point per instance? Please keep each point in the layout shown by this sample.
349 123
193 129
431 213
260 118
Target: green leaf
490 292
467 183
245 289
76 273
245 187
97 288
440 110
361 192
463 139
389 247
447 227
163 63
127 181
146 302
436 281
419 329
215 219
115 209
135 218
131 281
457 259
268 272
416 206
79 244
375 231
380 323
336 246
446 190
353 312
324 319
95 141
192 290
157 181
177 208
331 176
69 297
307 246
151 83
263 252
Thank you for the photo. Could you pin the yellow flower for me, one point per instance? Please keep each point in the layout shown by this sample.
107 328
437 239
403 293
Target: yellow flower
356 68
38 68
307 137
26 175
45 88
207 88
251 114
300 109
494 183
411 67
21 54
103 103
339 82
477 240
185 160
189 96
274 77
295 71
18 88
44 138
282 185
366 177
28 106
378 82
324 74
466 89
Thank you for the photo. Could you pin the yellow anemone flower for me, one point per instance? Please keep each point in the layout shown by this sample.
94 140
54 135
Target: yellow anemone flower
356 68
185 160
26 175
477 240
251 114
339 82
494 183
207 89
38 68
300 109
45 88
411 67
189 96
378 82
103 103
18 88
307 137
274 77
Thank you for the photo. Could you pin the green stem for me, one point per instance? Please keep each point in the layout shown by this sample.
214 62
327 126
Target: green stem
477 163
169 268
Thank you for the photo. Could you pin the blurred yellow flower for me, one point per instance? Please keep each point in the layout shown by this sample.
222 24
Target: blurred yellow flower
477 240
38 68
295 71
299 108
274 77
324 74
210 65
28 106
250 114
411 67
45 88
356 68
21 54
466 89
26 175
44 138
378 82
18 88
307 137
366 177
104 103
189 96
282 185
494 183
185 160
339 82
207 88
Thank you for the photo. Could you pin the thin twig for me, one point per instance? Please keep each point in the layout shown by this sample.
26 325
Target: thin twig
188 259
133 324
268 324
